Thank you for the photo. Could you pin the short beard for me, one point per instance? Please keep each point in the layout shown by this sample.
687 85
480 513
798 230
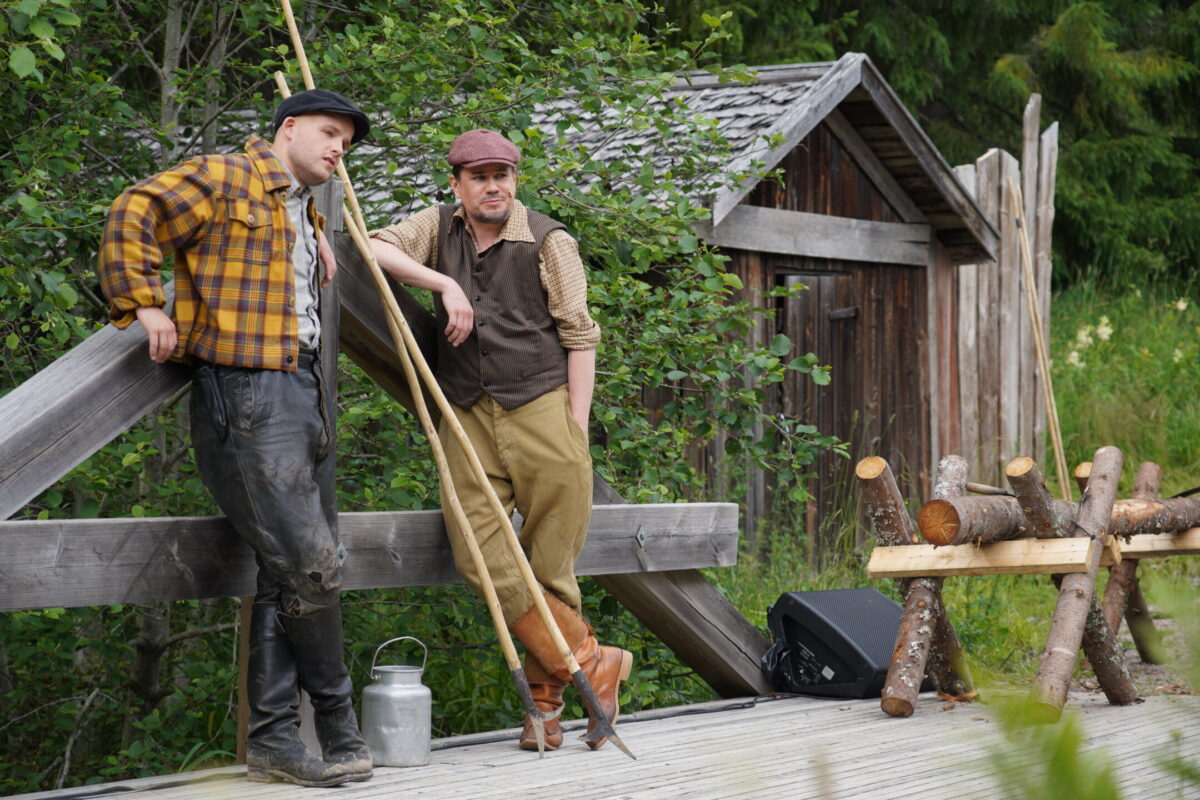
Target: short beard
499 218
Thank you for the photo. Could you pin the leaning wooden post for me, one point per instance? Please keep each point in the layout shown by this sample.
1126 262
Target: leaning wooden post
924 626
1099 644
1077 591
1122 594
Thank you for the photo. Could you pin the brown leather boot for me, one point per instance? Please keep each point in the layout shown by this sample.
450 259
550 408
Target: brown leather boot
605 667
547 693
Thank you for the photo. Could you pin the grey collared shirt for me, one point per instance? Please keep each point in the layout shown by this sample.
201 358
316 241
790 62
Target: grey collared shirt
306 263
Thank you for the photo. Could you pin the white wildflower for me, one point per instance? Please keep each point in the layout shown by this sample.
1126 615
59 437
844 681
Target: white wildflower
1104 330
1177 356
1181 304
1083 338
1074 360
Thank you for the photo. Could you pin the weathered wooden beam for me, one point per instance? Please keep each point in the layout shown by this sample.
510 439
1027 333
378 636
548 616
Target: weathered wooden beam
75 406
799 233
1015 557
874 169
364 331
63 563
690 616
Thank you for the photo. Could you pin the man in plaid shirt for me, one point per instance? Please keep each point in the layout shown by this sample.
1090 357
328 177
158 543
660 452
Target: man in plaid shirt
249 262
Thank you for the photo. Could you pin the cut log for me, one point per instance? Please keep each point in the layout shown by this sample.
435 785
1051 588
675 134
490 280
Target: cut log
1076 593
894 527
1035 501
924 626
1098 641
1135 516
885 508
1082 472
1122 594
971 520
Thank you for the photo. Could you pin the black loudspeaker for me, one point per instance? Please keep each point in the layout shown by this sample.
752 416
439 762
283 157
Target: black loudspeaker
835 643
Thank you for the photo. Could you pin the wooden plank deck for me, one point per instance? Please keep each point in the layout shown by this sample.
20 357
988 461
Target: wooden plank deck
730 750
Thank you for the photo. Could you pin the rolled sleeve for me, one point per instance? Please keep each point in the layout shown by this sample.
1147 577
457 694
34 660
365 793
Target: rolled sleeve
565 283
415 235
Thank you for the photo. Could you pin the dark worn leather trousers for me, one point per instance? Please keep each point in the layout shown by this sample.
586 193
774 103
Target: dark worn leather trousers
264 443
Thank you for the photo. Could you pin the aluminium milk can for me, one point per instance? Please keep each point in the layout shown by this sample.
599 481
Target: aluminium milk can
396 711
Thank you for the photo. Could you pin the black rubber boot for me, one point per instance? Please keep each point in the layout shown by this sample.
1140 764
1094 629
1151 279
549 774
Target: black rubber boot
274 751
317 642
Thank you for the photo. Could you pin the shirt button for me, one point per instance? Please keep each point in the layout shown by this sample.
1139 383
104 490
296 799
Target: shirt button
290 359
250 218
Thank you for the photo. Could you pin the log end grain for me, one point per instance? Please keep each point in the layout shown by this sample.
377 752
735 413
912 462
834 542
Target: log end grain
870 468
939 522
896 707
1019 466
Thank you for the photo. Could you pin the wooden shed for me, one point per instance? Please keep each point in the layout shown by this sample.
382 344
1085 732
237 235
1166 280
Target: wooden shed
916 289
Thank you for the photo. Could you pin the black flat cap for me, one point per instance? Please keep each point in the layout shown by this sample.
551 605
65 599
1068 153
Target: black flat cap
322 101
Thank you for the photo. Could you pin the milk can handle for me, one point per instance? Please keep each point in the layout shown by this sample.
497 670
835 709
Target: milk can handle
399 639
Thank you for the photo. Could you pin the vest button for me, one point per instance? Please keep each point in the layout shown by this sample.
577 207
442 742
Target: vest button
483 352
481 324
478 268
477 298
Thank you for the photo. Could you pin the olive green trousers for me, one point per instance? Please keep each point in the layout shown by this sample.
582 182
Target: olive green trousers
537 461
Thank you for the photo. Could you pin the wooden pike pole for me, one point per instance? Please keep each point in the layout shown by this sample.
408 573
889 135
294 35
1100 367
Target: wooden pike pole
397 324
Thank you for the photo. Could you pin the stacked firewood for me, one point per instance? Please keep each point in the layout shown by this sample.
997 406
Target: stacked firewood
926 642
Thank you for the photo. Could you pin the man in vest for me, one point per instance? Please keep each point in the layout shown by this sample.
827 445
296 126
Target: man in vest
248 269
518 364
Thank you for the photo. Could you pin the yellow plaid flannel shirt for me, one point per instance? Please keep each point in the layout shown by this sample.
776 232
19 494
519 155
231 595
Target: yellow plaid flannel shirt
225 218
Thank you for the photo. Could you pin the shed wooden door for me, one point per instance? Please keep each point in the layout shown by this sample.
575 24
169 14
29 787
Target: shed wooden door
868 325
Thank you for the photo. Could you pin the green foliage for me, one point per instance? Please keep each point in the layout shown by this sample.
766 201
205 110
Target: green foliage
150 689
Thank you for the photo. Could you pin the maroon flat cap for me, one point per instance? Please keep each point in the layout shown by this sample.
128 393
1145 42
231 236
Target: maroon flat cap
482 146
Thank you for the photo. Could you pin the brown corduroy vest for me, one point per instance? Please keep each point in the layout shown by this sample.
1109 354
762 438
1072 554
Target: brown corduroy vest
514 353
